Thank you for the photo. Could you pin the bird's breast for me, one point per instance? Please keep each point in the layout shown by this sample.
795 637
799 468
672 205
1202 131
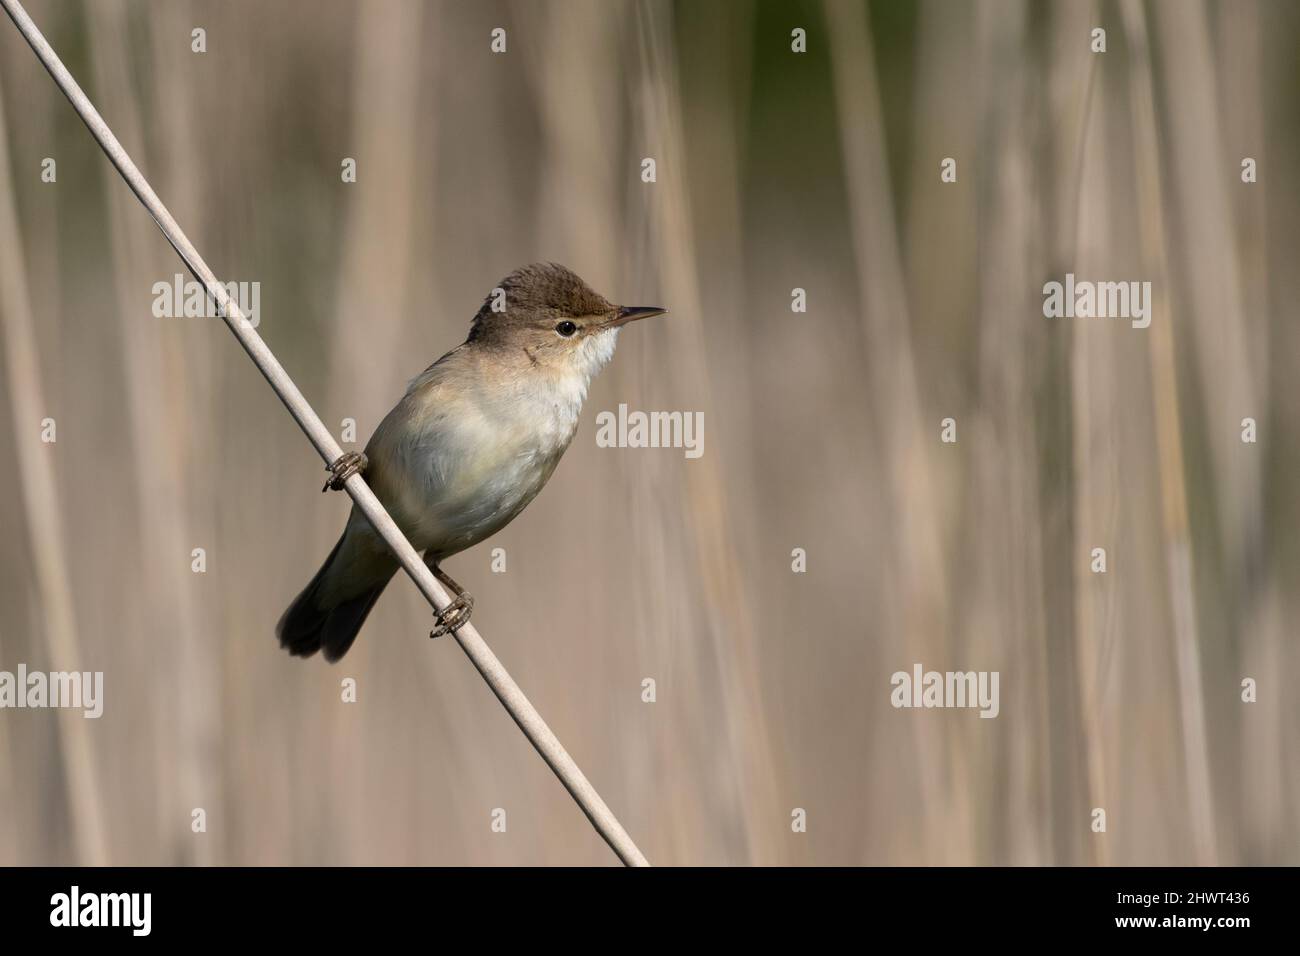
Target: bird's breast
478 461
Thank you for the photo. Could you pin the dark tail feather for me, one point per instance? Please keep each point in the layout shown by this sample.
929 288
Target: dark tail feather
306 627
344 623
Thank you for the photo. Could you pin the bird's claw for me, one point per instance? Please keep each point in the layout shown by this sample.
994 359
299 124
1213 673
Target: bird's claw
348 464
454 616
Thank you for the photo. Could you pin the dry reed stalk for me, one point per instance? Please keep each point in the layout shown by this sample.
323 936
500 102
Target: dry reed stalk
1240 57
1096 466
919 616
731 632
1007 526
708 120
579 97
157 385
38 485
199 643
372 315
11 851
1066 104
1178 546
1210 273
1261 122
374 279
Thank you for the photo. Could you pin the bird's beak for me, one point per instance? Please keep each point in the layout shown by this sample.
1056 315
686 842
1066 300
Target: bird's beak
630 313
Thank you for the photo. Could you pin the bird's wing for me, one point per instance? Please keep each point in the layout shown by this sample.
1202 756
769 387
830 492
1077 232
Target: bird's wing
405 453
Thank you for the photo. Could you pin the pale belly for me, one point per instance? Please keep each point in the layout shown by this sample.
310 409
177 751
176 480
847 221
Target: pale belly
454 490
482 501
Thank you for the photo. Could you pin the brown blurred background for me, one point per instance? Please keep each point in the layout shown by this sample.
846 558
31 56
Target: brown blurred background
776 170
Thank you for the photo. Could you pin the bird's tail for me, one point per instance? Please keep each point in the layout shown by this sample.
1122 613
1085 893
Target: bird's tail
329 612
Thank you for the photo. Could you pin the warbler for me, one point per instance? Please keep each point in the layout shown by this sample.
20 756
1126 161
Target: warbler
475 438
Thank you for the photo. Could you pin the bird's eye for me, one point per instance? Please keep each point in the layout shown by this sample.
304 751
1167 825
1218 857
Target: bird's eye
566 328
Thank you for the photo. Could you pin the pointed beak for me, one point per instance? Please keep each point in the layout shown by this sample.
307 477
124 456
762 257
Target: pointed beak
630 313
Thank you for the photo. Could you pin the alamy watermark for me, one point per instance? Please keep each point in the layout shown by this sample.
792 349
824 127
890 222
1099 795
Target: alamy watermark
182 298
651 430
1102 300
922 688
39 689
133 911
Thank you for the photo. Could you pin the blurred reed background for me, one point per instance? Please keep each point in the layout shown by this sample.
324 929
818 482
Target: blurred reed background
775 171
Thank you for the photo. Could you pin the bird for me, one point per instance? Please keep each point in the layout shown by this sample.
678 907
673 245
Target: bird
472 442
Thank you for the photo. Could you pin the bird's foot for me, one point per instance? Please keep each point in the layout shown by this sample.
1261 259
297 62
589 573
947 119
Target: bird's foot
454 616
348 464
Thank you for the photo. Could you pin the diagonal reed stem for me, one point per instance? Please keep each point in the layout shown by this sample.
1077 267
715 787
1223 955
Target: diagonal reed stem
502 684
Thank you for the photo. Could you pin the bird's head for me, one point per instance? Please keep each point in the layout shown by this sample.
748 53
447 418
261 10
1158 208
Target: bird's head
552 317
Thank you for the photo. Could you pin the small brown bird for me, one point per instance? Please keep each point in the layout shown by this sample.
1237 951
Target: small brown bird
473 441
